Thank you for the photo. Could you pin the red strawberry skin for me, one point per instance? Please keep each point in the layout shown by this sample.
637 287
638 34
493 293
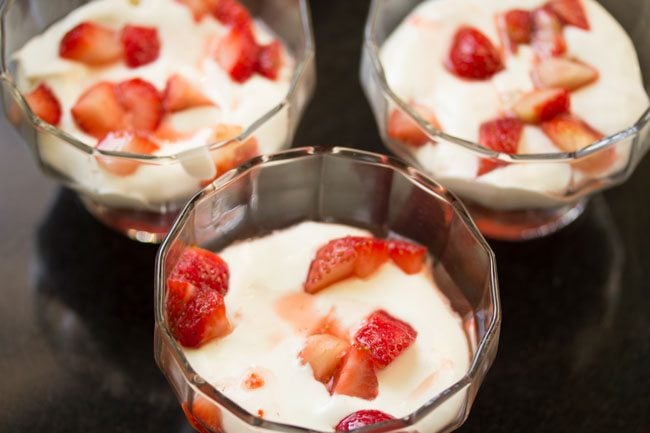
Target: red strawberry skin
98 110
570 12
501 135
362 418
142 102
407 255
269 60
473 56
203 268
405 130
44 104
124 141
91 44
516 27
356 377
141 45
548 38
237 53
385 336
231 12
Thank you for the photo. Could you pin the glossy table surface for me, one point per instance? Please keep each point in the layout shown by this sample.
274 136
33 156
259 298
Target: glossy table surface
76 314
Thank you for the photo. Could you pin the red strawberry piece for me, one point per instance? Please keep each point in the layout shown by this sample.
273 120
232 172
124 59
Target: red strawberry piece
143 103
128 142
356 377
515 27
199 8
407 255
570 134
44 104
404 129
501 135
98 111
548 39
324 352
235 154
269 60
231 12
180 94
540 105
91 44
570 12
385 336
141 45
205 416
562 72
202 318
362 418
203 268
343 258
472 55
237 53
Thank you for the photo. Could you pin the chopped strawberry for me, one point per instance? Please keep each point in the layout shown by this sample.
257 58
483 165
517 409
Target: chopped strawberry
343 258
324 352
269 60
180 94
237 53
128 142
570 12
473 56
502 135
540 105
44 104
201 319
404 129
385 337
362 418
562 72
91 44
407 255
235 154
199 8
203 268
98 111
231 12
205 416
141 45
142 102
548 39
515 27
356 377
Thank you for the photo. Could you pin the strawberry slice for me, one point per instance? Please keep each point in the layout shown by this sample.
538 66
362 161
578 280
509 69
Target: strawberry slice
142 102
515 27
199 8
407 255
343 258
362 418
562 72
91 44
231 12
203 268
356 377
472 55
540 105
570 12
128 142
385 337
180 94
44 104
237 53
98 111
502 135
141 45
269 60
205 416
548 39
404 129
324 352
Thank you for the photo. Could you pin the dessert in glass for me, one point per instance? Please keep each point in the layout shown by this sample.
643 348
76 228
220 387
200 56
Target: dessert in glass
137 104
320 290
523 108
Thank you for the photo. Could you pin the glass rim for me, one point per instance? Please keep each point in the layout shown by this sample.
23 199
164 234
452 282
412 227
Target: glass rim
609 141
483 346
297 78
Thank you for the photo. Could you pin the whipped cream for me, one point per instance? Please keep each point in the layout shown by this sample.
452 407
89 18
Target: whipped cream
183 51
268 272
612 104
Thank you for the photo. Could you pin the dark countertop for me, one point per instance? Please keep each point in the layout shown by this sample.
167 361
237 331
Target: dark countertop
76 315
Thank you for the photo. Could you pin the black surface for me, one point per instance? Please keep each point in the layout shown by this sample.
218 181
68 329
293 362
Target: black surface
76 315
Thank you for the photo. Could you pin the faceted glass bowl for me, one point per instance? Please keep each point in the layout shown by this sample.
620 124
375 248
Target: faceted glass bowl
144 209
543 211
344 186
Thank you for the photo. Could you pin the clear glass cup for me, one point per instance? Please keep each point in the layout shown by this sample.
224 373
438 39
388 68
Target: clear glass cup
144 209
345 186
538 211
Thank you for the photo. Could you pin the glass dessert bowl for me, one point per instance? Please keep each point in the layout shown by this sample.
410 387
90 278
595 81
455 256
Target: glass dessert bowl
525 137
181 98
309 196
